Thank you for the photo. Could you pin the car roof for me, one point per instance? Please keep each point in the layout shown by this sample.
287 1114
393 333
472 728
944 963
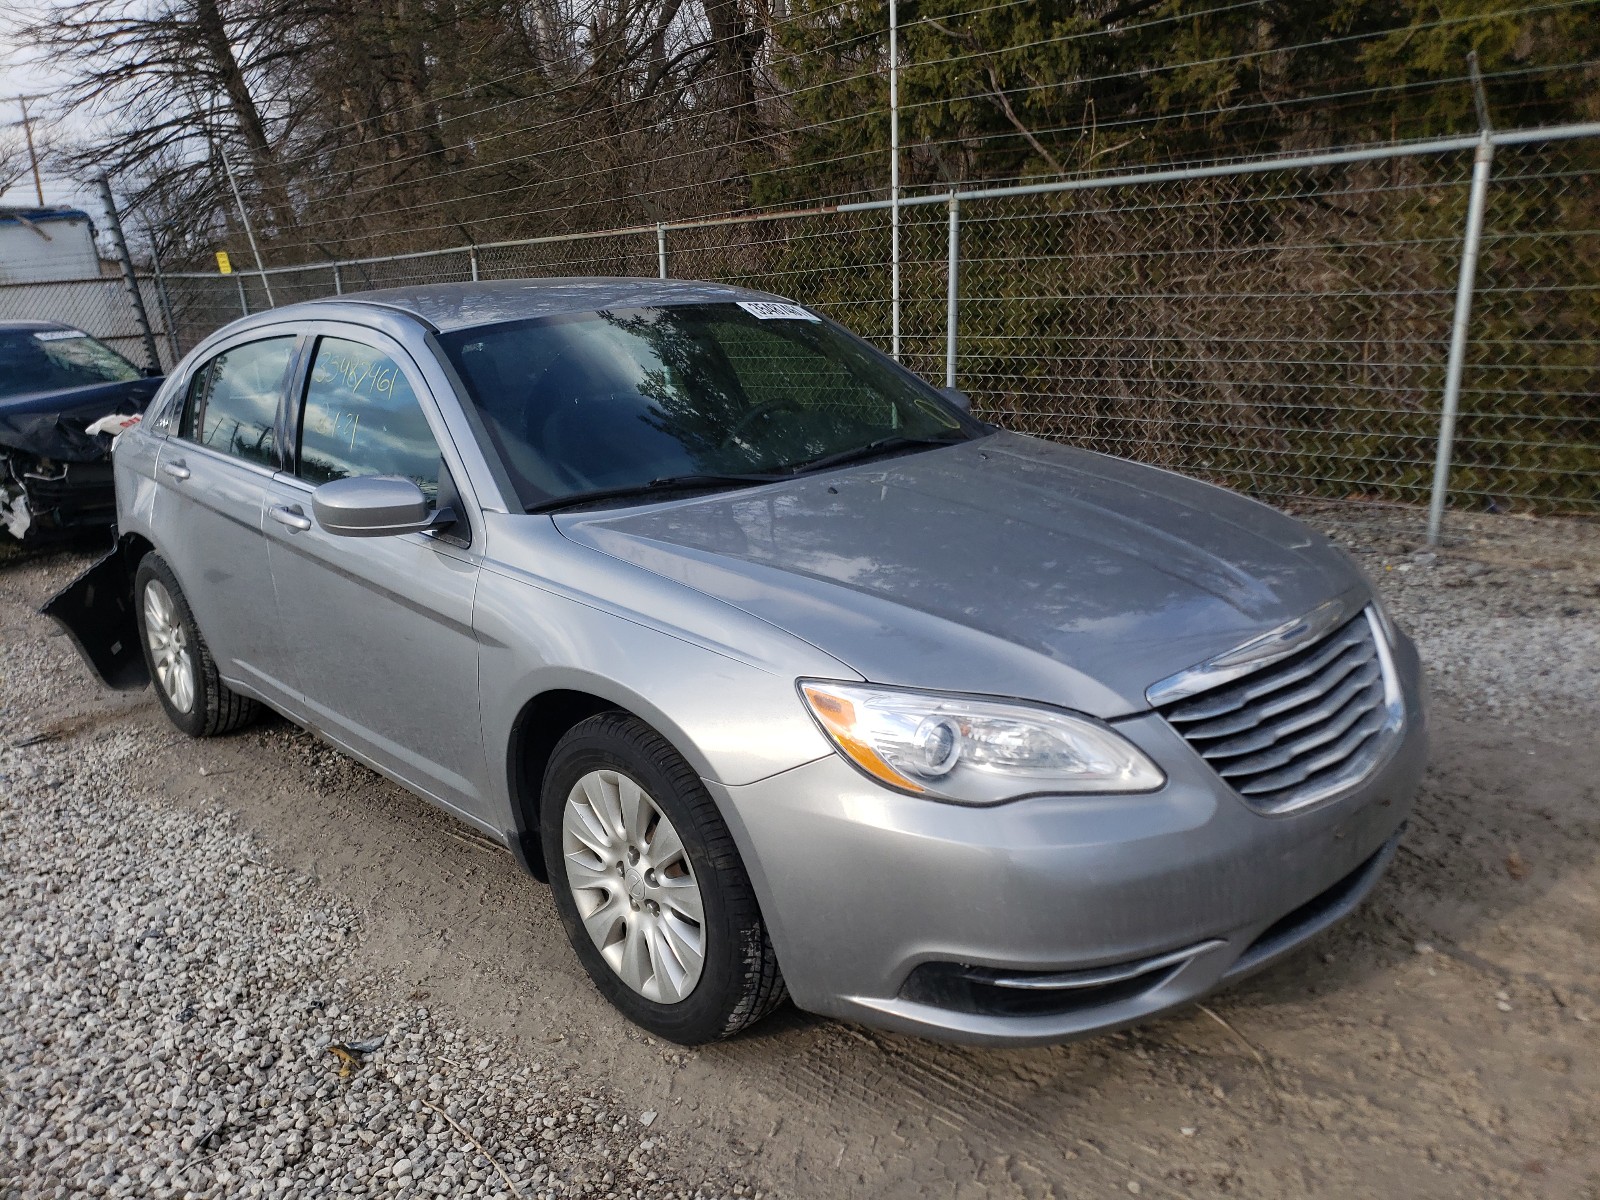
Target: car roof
448 306
19 326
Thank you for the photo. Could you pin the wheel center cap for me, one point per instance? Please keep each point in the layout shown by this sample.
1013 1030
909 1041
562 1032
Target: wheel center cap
635 882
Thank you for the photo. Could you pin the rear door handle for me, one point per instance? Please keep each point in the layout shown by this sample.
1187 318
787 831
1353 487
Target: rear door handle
290 515
176 469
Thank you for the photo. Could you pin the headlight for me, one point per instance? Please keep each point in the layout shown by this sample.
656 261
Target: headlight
974 751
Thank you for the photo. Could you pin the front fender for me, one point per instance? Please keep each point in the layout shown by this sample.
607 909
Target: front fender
728 719
731 720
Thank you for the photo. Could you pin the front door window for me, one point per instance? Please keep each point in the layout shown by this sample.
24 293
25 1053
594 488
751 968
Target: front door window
363 418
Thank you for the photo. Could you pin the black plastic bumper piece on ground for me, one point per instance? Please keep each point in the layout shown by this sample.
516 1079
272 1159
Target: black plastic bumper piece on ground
96 610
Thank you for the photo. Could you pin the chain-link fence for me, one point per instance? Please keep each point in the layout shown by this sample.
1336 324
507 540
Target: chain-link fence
1529 436
1282 333
1285 331
100 307
1283 328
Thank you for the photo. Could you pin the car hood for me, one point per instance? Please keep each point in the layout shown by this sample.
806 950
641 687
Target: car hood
52 424
1004 565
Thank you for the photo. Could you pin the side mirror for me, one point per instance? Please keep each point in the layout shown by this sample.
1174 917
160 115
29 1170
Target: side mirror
375 506
957 397
151 372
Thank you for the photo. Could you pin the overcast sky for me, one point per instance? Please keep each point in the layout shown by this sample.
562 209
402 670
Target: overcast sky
20 77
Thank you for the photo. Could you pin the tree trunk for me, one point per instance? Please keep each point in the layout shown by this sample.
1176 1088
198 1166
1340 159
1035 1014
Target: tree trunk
213 33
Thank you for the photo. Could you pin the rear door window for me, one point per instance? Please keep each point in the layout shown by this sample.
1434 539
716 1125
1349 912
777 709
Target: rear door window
362 417
232 405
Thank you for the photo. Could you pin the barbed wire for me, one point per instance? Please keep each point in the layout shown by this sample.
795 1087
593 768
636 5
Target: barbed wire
1350 98
821 86
581 81
795 18
701 184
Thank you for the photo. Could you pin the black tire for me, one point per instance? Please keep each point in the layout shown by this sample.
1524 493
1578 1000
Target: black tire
215 707
739 981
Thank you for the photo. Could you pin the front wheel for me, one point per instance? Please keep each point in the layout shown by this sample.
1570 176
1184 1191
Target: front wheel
650 887
181 668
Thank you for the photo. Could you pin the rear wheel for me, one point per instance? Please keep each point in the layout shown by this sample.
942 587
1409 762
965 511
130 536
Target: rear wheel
181 668
650 887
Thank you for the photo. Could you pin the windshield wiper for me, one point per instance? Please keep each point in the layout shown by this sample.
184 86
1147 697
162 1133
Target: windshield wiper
667 483
672 483
885 445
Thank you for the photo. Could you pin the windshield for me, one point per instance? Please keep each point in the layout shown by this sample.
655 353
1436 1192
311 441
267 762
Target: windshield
50 360
625 397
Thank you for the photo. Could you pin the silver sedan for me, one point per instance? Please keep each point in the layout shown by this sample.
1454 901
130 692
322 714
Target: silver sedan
789 675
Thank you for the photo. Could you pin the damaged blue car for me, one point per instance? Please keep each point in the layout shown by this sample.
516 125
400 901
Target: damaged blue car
57 384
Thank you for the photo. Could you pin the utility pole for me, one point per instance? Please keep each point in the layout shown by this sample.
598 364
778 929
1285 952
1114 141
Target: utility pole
33 153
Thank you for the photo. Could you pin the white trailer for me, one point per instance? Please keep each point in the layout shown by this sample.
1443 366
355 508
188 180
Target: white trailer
40 245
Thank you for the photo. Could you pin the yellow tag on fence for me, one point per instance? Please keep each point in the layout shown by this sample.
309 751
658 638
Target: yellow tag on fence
224 263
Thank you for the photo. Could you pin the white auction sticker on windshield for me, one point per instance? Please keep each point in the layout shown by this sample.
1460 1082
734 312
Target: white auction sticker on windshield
56 335
771 310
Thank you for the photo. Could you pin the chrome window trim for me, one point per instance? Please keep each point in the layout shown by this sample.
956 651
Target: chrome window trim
182 446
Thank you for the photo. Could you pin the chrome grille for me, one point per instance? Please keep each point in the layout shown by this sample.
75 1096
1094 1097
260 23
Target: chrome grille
1299 729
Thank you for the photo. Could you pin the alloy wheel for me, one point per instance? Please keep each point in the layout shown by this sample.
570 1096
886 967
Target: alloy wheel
634 886
169 646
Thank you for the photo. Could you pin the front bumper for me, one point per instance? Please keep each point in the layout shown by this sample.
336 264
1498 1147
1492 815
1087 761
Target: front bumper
861 887
39 501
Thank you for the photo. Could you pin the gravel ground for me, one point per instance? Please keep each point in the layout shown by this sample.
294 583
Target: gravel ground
188 930
1506 614
175 1010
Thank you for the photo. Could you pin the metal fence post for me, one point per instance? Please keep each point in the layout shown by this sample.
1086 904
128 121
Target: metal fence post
167 319
249 229
1482 160
129 279
952 291
472 262
164 300
338 280
894 180
661 249
244 301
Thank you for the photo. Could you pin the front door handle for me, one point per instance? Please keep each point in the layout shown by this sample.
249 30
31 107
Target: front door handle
176 469
290 515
